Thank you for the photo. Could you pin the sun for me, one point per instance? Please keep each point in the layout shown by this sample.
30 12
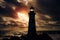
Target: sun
23 16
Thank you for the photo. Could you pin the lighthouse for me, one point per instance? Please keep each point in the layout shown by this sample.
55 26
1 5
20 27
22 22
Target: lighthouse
32 26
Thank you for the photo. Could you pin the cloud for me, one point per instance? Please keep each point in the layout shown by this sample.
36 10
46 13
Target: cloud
7 22
50 7
7 12
10 7
12 1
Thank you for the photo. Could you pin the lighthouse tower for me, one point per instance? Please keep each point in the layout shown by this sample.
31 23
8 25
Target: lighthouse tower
32 25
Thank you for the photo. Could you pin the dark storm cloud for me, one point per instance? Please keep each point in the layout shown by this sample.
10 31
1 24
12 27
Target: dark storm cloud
12 2
51 7
7 11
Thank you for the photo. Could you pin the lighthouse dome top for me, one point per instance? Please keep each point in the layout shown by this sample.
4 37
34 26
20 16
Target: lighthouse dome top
31 9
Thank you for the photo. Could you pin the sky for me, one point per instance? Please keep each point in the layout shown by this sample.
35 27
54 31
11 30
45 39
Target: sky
14 15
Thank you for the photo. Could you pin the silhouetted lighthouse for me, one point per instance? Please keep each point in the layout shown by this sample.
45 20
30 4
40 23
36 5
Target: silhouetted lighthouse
32 25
